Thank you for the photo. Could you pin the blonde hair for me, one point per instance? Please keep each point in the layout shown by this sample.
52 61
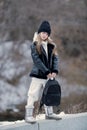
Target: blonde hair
38 40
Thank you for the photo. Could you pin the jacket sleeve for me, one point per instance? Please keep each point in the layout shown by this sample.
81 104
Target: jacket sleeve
37 61
55 64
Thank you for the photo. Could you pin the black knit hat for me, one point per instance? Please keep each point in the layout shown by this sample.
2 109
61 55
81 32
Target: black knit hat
45 27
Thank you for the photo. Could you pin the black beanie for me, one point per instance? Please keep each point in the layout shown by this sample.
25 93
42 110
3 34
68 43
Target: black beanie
45 27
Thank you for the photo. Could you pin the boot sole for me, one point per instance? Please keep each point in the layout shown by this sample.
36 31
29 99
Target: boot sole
51 118
30 122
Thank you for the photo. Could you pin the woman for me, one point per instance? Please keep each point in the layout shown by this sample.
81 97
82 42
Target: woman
45 65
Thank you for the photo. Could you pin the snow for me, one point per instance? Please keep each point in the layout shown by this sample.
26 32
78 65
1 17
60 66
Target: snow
10 95
8 69
23 49
5 49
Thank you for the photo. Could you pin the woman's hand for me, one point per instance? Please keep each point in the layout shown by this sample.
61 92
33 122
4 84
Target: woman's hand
49 76
53 75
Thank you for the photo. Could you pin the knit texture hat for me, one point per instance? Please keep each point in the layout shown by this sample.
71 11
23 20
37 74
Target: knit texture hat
45 27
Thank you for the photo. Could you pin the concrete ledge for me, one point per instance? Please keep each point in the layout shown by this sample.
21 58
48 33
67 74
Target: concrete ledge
68 122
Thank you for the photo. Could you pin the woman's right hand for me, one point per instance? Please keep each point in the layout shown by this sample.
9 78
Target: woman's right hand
49 76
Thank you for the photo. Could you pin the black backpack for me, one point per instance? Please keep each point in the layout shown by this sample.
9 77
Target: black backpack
51 94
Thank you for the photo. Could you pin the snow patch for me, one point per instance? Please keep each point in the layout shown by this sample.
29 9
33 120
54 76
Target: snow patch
12 95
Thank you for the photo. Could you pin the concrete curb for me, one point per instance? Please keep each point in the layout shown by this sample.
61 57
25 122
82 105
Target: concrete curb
68 122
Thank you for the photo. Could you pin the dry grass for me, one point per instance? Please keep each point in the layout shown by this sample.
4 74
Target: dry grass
74 103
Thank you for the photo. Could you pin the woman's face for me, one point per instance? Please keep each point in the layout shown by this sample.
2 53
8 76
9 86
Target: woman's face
44 35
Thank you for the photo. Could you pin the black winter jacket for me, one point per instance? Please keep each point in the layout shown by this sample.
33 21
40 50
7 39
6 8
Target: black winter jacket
42 65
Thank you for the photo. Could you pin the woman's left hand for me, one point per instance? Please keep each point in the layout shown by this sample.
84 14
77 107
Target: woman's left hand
53 75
